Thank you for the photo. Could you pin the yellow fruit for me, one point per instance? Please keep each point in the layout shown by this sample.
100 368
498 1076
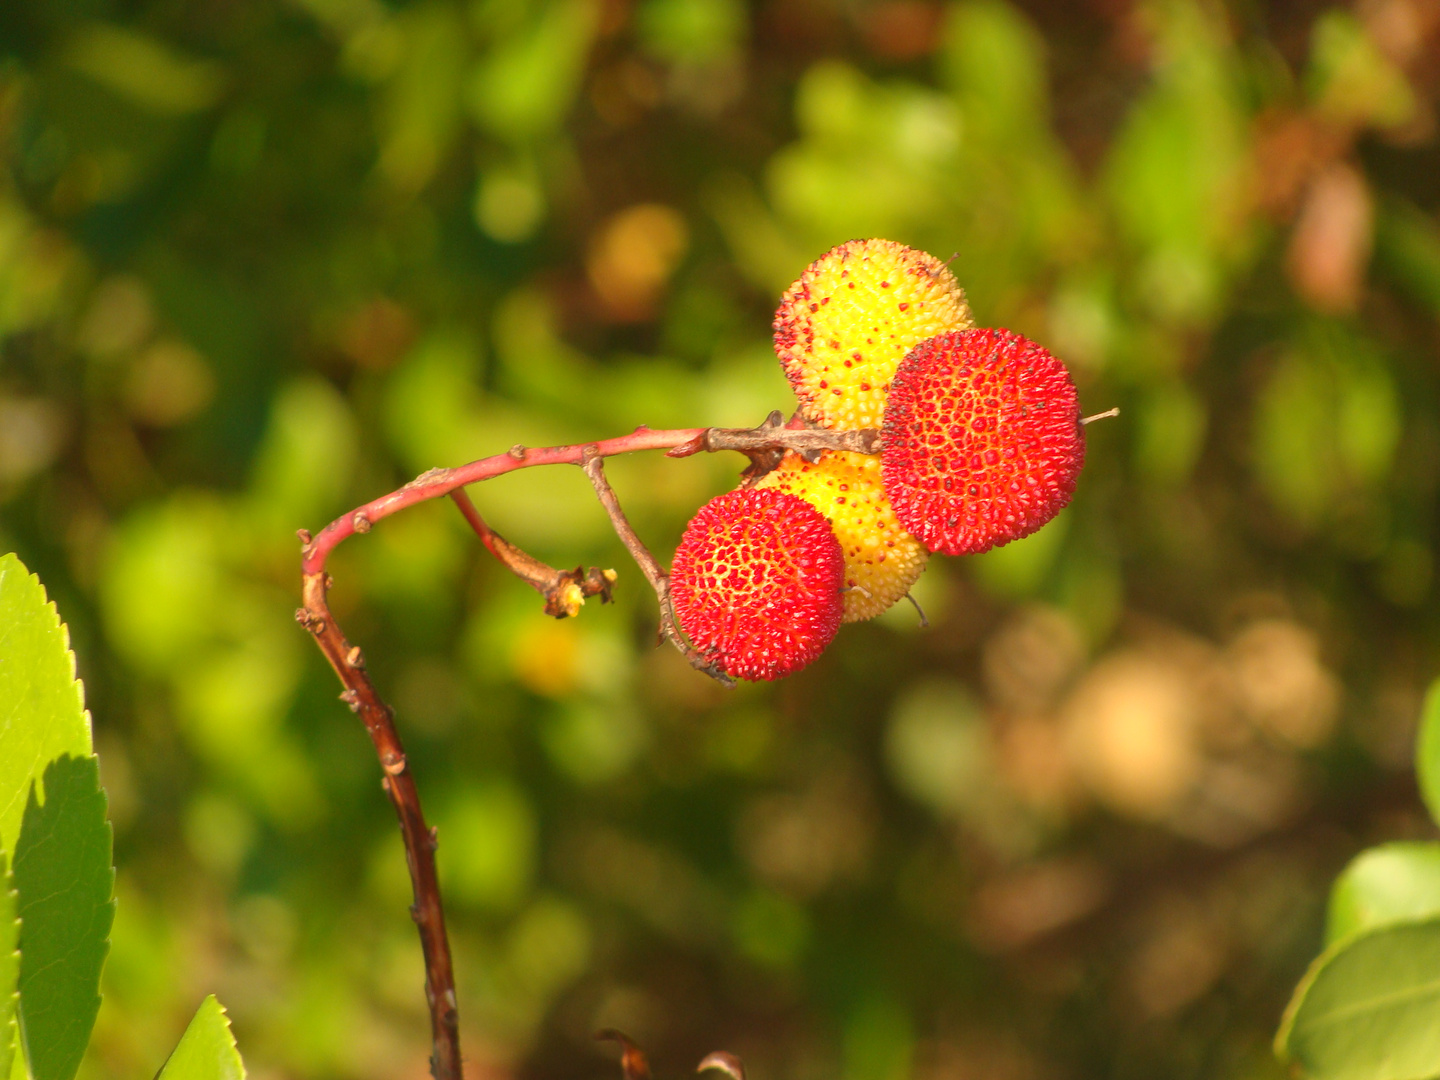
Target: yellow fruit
849 320
882 560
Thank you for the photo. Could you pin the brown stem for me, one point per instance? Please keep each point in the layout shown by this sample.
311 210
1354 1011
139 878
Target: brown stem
771 436
564 590
420 840
658 578
763 445
685 441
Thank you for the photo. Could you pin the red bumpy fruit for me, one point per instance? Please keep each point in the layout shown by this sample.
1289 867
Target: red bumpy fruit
982 440
756 583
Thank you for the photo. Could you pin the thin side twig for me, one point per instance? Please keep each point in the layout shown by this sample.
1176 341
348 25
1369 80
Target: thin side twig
659 580
564 590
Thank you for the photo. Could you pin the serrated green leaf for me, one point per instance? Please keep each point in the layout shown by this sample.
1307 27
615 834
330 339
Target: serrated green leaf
207 1049
1427 751
1369 1008
64 881
9 966
42 706
1392 883
52 816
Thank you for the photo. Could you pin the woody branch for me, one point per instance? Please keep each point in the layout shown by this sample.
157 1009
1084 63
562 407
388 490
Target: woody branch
562 591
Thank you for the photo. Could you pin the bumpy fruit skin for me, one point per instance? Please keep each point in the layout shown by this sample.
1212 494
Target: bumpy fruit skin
882 560
982 440
756 583
844 326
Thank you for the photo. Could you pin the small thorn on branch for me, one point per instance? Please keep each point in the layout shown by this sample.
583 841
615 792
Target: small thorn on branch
688 447
1106 415
425 478
351 698
355 658
361 522
517 451
305 537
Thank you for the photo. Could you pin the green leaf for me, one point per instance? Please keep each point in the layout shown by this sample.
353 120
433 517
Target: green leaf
9 967
1369 1008
1427 751
207 1049
52 816
65 882
1392 883
42 707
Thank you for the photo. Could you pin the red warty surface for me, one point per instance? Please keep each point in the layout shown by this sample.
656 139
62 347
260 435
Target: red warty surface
983 440
756 583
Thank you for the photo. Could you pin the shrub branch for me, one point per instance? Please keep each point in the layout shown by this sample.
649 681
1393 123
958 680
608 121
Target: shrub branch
420 840
563 590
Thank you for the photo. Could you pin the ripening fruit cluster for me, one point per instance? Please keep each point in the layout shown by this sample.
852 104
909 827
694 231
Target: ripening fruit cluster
981 444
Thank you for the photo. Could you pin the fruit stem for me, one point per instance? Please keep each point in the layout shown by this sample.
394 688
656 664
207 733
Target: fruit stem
594 466
564 590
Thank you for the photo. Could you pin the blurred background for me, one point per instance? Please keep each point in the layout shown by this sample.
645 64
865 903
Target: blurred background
263 261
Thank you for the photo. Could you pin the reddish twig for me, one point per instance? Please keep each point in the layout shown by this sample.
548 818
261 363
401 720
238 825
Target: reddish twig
764 445
683 442
564 590
420 840
658 578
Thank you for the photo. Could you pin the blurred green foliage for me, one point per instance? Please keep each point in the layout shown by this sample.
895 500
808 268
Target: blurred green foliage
1367 1006
262 262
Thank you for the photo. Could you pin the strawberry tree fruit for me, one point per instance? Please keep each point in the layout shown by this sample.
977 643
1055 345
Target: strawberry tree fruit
847 322
982 440
882 560
756 583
